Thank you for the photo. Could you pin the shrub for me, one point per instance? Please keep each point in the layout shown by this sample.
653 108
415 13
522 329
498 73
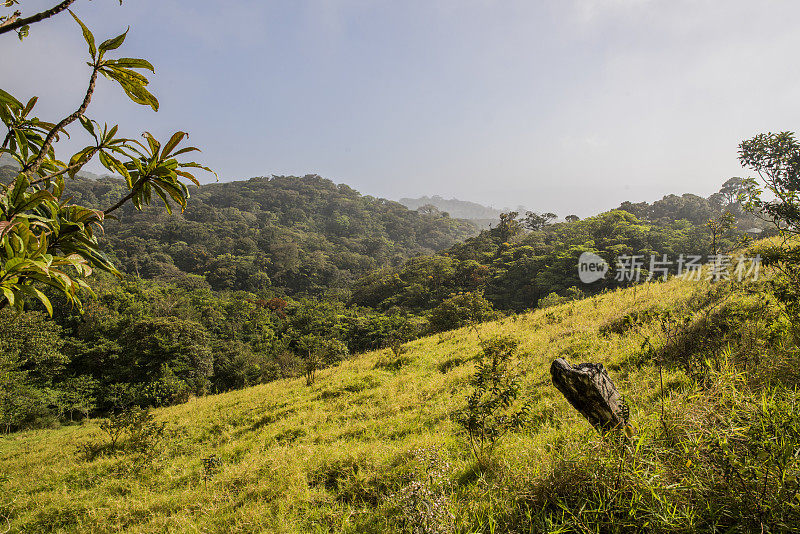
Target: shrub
490 412
133 431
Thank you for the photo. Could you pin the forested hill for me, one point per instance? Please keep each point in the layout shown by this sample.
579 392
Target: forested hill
483 216
280 234
456 208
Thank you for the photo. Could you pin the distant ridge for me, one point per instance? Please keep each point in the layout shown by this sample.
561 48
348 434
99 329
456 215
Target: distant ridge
482 216
8 161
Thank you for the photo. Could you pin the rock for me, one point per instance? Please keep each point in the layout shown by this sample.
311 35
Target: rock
590 390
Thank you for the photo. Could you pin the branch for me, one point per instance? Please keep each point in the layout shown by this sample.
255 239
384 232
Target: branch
135 189
66 169
10 20
122 201
14 23
33 166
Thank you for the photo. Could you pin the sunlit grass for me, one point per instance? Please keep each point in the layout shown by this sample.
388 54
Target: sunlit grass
329 457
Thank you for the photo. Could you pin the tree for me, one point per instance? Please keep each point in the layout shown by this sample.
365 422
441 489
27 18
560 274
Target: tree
572 218
45 240
461 310
731 190
776 159
490 412
719 227
317 352
509 226
538 221
173 353
78 394
31 359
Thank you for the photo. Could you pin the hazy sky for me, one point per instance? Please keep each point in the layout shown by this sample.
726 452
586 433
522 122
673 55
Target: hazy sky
569 106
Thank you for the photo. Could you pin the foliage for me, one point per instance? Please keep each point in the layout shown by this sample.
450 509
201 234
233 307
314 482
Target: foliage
78 394
132 431
330 456
718 227
538 221
516 269
776 159
316 352
490 412
554 299
461 310
45 240
296 236
31 360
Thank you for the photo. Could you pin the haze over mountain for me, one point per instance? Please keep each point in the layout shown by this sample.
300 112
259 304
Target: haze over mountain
482 216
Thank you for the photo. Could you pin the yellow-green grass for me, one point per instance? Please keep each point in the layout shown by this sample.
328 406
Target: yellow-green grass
330 457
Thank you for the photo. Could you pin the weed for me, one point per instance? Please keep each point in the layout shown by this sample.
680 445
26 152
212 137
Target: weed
424 502
211 466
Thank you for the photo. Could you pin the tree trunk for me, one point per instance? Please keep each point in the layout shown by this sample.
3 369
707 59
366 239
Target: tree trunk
589 390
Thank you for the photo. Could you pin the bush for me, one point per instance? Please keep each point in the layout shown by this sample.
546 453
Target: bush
132 431
490 411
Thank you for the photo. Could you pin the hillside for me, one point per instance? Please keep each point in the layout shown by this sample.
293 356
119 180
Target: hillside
156 342
482 216
377 432
282 235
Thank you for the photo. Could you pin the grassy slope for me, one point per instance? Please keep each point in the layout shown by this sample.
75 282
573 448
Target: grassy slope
327 457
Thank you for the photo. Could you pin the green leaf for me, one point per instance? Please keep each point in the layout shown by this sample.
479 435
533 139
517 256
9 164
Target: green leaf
8 294
80 158
33 201
43 299
176 138
113 43
29 105
10 100
185 150
188 176
121 73
131 63
88 126
139 94
87 35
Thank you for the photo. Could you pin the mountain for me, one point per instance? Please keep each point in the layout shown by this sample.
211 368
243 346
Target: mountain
482 216
374 444
280 234
8 165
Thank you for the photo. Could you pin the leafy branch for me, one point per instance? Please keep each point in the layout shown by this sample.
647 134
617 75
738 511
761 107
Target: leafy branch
46 240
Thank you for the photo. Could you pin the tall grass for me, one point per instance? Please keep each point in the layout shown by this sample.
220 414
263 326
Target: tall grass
715 448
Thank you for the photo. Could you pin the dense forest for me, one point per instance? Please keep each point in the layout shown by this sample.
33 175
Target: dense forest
281 234
525 259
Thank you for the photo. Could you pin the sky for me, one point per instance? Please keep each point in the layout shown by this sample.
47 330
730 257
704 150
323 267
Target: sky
569 106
